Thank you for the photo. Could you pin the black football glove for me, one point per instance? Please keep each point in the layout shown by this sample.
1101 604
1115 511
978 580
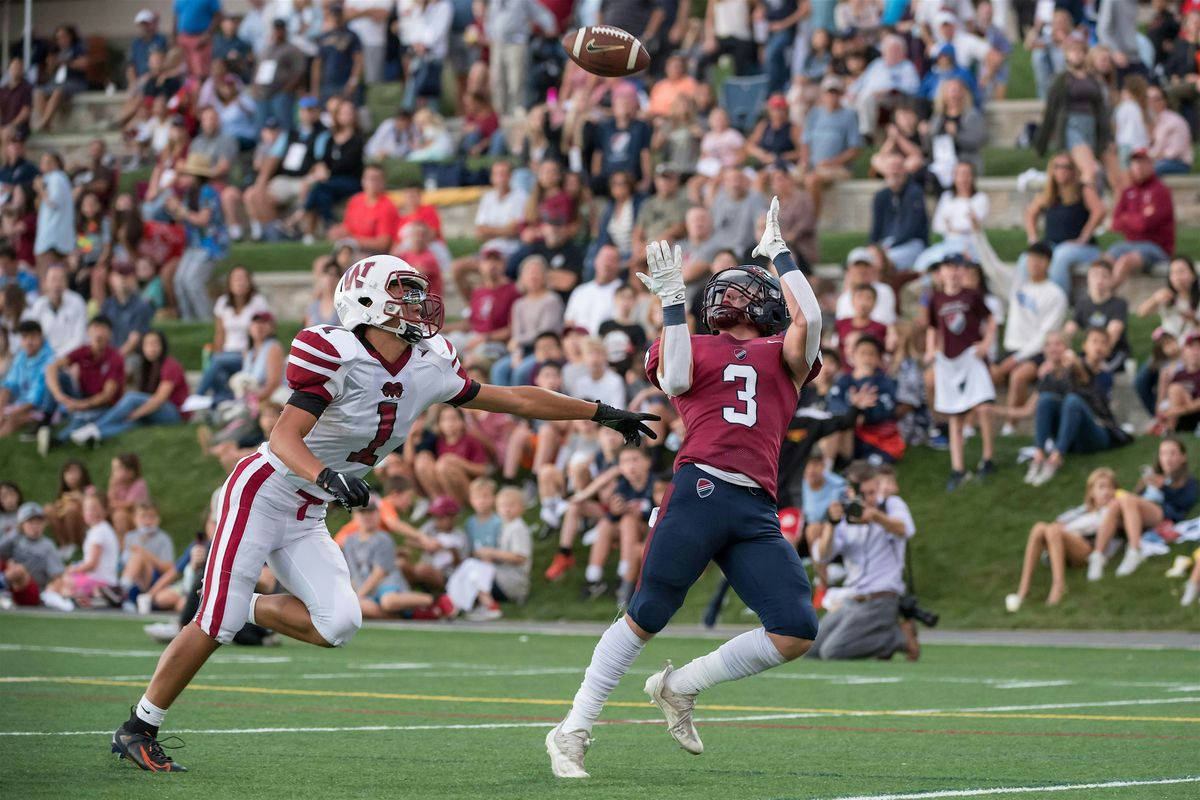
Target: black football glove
627 423
350 492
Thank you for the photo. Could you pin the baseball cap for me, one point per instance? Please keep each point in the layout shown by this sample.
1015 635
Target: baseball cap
28 511
831 83
263 316
123 268
491 252
145 15
1140 152
860 255
777 101
271 123
1191 338
945 18
279 22
444 506
666 169
309 102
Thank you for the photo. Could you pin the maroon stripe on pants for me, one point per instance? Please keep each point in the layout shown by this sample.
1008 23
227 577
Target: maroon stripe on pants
211 566
239 527
662 512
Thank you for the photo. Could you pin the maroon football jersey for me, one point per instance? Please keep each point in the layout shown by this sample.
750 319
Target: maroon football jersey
738 407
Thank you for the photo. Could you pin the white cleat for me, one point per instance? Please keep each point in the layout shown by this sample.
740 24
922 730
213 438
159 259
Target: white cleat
566 750
677 708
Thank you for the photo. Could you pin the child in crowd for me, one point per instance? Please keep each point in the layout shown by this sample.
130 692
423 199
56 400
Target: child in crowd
908 370
1099 308
443 544
371 558
876 435
147 554
629 508
484 525
101 554
592 484
126 488
495 574
822 486
29 561
848 330
1182 408
1067 540
960 333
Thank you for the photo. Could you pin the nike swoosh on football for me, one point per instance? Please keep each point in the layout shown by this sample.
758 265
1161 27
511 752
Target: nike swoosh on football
604 48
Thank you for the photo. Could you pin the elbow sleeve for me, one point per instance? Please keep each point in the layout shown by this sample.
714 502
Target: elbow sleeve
675 371
810 309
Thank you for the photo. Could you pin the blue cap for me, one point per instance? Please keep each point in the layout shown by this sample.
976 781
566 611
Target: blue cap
272 123
946 50
309 102
28 511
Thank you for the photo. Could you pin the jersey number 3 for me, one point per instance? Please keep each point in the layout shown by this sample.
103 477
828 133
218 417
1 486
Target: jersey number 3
744 374
387 424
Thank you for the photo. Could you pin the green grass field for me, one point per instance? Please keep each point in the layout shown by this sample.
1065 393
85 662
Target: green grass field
447 713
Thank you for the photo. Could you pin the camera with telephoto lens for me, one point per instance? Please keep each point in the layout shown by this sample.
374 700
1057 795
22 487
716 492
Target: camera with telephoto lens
910 610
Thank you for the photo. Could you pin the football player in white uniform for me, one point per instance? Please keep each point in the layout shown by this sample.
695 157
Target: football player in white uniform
357 390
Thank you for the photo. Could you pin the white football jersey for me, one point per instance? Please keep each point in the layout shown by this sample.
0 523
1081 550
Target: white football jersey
371 404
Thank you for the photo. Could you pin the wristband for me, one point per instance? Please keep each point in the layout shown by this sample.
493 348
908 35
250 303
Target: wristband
674 315
784 263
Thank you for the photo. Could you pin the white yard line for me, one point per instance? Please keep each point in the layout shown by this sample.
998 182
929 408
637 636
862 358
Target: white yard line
999 790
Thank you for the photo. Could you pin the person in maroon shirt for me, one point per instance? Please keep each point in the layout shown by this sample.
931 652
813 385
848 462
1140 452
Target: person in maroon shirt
861 324
1145 216
456 458
491 307
16 102
960 333
1183 392
156 398
89 379
736 392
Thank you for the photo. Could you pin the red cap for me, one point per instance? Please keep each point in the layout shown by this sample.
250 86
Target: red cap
263 316
444 506
1140 152
1192 338
777 101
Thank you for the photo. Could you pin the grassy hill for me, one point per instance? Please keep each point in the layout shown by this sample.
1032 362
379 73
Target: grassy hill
967 551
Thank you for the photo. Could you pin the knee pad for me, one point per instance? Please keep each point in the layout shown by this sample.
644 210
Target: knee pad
652 607
339 625
795 619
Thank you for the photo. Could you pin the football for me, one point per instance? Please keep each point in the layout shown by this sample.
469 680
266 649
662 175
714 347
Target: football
606 51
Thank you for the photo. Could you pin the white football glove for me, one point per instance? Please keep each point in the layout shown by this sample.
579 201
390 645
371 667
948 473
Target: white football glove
771 244
666 272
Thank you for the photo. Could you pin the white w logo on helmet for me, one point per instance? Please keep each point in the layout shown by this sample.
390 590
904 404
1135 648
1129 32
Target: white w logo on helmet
388 293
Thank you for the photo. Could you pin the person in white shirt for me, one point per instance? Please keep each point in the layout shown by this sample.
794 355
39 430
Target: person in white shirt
594 379
368 19
425 31
970 51
890 73
101 554
960 212
497 224
860 269
394 138
61 312
1036 307
591 303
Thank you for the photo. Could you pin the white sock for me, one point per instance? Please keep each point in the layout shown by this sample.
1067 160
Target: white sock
256 229
253 602
611 659
149 713
235 231
593 573
622 568
740 657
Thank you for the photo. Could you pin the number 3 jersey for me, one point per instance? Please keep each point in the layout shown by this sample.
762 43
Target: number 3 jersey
365 405
737 410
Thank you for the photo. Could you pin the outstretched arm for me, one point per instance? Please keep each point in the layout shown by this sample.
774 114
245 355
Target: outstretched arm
675 350
802 342
533 402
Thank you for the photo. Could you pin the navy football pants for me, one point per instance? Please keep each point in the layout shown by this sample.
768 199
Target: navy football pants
702 519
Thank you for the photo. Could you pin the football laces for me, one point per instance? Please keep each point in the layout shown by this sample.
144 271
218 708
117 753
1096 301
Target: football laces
617 32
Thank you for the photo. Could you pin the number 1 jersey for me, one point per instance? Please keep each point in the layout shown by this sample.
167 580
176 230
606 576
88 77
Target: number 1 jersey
739 405
364 404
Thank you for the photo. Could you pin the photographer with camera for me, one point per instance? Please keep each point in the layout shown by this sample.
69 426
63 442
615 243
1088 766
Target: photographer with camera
870 529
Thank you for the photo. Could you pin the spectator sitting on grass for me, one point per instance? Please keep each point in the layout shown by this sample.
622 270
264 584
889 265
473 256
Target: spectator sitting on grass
371 557
11 500
130 313
594 379
1145 216
97 382
23 395
536 311
232 314
101 553
1098 308
1067 541
1036 308
1170 136
1167 492
443 546
147 553
156 398
497 571
126 488
455 459
1182 411
29 561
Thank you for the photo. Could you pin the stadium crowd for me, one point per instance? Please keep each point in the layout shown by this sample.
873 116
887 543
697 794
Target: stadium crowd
257 128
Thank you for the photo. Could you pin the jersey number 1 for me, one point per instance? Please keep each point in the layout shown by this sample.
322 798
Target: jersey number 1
387 423
745 374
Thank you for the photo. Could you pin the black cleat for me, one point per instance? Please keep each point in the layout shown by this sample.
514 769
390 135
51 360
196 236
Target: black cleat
144 751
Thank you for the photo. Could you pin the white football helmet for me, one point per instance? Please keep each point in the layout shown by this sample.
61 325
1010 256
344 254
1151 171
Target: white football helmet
388 293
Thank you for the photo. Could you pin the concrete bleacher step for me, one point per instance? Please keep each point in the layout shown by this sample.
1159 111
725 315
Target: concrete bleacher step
1007 118
72 145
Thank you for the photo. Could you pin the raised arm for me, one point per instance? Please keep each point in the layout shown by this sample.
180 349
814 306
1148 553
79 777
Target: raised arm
802 341
675 349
